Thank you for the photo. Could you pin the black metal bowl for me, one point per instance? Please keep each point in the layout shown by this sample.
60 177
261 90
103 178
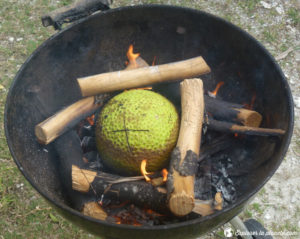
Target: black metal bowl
47 81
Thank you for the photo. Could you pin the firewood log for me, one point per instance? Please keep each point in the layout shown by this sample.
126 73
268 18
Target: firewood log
226 111
93 209
183 165
120 80
139 192
228 127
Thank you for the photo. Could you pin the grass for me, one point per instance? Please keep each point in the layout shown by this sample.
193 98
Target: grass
249 5
294 15
24 213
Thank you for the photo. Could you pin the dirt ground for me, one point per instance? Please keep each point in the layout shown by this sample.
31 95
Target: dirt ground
276 24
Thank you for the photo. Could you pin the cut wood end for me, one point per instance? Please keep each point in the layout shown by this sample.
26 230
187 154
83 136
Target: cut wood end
218 201
93 209
41 135
181 204
206 68
82 179
193 82
249 117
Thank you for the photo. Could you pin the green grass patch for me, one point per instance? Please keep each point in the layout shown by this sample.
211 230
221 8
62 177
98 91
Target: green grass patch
269 36
257 208
294 15
249 5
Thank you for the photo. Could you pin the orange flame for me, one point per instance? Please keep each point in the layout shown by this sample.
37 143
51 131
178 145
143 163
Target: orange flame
132 56
164 173
215 92
143 170
91 119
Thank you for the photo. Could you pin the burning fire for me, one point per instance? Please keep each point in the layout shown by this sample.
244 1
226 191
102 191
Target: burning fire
215 91
132 56
164 173
91 119
143 170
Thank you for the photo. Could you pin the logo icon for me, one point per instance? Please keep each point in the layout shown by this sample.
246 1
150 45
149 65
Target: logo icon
228 232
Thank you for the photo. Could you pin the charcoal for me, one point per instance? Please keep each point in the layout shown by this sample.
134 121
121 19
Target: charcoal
88 144
91 156
203 179
221 181
85 129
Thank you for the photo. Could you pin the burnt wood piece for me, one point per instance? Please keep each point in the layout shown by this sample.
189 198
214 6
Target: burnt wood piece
217 145
203 185
73 12
120 80
67 118
141 193
226 111
228 127
70 140
183 165
207 207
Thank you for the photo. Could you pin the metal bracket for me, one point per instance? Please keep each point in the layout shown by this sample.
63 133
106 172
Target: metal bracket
239 225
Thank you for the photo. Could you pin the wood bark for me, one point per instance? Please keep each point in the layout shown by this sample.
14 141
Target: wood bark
120 80
226 111
183 165
227 127
140 193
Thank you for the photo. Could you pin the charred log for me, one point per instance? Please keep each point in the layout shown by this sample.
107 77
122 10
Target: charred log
226 111
228 127
138 192
71 140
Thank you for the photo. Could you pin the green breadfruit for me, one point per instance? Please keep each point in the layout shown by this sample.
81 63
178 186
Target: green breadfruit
137 125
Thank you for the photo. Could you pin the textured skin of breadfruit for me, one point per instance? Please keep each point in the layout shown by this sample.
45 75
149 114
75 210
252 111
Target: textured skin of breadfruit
137 125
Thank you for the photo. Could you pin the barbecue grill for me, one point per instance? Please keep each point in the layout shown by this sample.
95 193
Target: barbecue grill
47 82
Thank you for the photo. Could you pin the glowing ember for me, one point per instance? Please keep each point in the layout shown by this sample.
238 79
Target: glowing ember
164 173
132 56
149 211
251 105
154 60
215 92
91 119
143 170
